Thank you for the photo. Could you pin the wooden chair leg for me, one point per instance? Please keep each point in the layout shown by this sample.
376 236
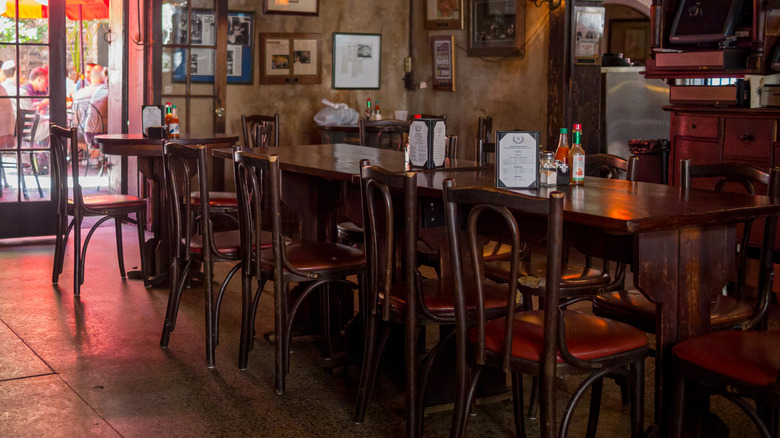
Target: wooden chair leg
517 403
119 251
371 355
77 257
140 225
637 377
595 408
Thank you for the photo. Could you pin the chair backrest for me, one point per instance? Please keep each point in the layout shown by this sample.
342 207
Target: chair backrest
513 213
88 118
259 130
452 146
183 164
27 126
381 218
751 180
482 150
610 166
484 128
64 143
390 134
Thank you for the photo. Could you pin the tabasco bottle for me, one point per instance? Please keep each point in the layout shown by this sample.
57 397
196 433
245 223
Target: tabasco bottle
562 151
577 157
173 126
368 109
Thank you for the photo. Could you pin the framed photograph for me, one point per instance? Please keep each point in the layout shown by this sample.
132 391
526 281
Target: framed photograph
290 58
443 14
203 31
517 159
240 50
443 51
496 28
589 27
291 7
357 61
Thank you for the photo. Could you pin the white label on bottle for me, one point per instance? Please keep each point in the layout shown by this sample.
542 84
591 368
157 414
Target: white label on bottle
173 129
578 167
418 143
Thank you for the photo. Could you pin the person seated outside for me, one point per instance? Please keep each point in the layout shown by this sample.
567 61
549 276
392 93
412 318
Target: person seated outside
96 79
7 120
38 85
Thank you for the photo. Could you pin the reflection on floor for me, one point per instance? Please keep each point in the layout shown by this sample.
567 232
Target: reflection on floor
93 366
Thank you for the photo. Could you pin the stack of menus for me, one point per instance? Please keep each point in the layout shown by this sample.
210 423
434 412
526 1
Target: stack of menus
517 159
427 143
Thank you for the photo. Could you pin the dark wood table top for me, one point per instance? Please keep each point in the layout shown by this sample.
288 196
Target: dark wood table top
627 207
341 161
140 146
618 207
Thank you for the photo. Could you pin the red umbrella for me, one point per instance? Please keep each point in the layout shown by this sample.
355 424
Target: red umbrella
74 9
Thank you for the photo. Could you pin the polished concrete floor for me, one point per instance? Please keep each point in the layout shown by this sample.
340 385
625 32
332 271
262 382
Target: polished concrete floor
92 366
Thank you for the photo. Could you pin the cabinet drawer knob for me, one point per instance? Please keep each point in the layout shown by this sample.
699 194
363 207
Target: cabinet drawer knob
746 137
693 126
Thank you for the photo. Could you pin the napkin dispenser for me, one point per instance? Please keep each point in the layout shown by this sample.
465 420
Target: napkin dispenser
427 142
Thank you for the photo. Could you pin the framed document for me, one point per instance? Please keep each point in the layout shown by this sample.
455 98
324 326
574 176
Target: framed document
151 115
443 14
291 7
517 159
290 58
443 62
357 61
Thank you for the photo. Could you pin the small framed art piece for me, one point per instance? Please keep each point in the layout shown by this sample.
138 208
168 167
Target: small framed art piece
443 62
517 159
291 7
496 28
357 60
443 14
290 58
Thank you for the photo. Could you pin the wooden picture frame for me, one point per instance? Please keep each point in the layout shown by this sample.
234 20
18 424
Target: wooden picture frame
496 28
443 14
357 61
292 7
290 58
443 55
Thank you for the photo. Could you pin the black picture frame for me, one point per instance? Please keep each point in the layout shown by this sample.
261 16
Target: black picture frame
357 61
496 28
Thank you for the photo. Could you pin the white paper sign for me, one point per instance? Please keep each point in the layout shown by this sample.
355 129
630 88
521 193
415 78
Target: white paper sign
418 143
517 159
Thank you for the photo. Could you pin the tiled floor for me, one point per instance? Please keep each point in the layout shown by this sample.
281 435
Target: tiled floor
92 366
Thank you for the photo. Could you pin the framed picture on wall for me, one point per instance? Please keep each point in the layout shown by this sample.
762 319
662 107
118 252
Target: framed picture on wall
357 60
443 51
291 7
496 28
240 48
443 14
290 58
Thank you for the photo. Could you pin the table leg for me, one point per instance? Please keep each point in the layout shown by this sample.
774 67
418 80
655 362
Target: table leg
681 269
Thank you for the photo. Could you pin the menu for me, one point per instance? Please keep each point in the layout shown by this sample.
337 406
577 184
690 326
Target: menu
517 159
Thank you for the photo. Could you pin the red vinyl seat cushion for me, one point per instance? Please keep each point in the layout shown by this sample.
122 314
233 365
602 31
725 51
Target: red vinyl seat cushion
319 256
217 199
749 356
587 337
100 201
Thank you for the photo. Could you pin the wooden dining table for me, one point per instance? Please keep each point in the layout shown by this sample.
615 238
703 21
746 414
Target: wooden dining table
150 152
679 241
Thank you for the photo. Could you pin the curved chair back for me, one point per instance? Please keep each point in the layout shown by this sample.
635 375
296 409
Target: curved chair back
64 143
390 134
259 130
611 166
27 125
751 180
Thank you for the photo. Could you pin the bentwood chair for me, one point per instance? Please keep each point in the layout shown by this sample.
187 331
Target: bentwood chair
389 134
192 238
735 309
116 207
548 343
396 293
314 267
739 365
27 129
90 123
259 130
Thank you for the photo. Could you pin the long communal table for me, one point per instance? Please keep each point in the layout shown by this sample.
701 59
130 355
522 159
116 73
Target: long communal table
680 241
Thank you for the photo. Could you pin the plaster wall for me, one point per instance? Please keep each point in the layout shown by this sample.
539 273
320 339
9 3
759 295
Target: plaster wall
513 90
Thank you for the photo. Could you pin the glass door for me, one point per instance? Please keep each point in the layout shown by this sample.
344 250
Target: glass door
26 111
194 63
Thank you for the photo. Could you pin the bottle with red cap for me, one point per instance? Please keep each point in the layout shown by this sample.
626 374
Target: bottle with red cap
577 157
